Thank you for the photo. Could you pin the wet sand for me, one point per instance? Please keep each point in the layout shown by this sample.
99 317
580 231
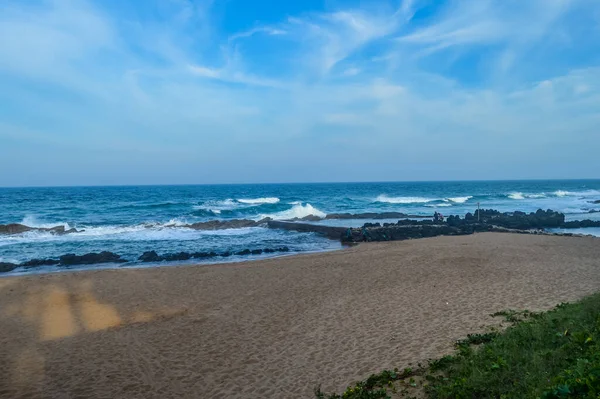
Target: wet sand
274 328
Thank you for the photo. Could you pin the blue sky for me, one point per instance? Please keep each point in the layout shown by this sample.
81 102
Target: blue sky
231 91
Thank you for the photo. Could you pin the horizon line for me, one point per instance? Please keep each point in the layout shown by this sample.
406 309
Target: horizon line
298 183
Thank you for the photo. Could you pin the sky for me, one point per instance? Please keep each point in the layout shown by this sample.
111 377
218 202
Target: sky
110 92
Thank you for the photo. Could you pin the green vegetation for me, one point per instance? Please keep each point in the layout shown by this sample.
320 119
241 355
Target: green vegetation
374 387
548 355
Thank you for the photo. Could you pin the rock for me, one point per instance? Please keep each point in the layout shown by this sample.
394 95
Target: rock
16 228
334 233
283 249
40 262
521 220
7 267
177 256
581 224
595 202
224 224
90 259
310 218
369 215
200 255
150 256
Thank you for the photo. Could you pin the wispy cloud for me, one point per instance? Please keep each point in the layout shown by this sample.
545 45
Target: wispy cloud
339 84
260 29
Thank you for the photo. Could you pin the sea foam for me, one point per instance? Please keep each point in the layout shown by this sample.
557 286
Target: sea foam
460 200
258 201
402 200
516 196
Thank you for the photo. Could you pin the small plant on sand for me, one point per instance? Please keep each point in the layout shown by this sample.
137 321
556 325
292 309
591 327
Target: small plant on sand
374 387
477 339
515 316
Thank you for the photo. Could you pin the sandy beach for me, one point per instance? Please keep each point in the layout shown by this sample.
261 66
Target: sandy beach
274 328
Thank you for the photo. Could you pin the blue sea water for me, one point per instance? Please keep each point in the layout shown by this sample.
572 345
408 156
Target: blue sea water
132 220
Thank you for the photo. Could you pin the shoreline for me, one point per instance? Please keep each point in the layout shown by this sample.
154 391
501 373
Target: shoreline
133 265
276 327
168 264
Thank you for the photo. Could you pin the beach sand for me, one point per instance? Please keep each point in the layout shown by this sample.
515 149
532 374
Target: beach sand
274 328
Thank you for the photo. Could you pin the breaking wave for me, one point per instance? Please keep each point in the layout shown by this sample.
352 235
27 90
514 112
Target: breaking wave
402 200
297 211
459 200
516 196
258 201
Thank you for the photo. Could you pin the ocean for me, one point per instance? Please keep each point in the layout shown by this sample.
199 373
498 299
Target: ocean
132 220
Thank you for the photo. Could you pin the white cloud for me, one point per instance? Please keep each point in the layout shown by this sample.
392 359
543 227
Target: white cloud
261 29
342 85
351 72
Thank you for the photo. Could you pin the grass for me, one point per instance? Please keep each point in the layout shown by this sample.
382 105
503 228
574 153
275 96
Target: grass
374 387
548 355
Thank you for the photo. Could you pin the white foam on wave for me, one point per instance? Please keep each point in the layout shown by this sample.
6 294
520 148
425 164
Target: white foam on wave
297 211
402 200
32 221
443 205
459 200
217 206
521 196
587 193
172 230
258 201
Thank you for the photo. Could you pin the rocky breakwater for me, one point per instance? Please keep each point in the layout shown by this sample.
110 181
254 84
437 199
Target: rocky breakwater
153 257
480 221
408 229
331 232
106 257
522 221
226 224
512 220
66 260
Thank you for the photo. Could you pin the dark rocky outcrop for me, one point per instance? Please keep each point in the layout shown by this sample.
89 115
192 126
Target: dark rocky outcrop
511 220
178 256
375 216
226 224
90 259
595 202
7 267
579 224
150 256
401 231
16 228
328 231
40 262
